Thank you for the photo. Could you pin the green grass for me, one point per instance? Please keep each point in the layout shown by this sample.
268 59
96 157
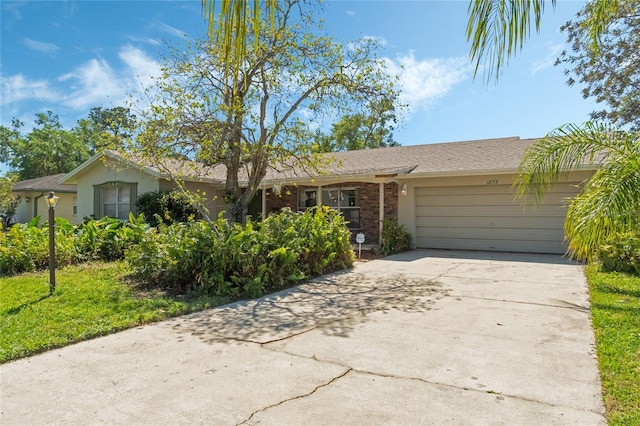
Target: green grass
90 300
615 308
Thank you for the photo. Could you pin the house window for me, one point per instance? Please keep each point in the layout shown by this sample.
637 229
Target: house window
115 200
307 198
75 206
345 200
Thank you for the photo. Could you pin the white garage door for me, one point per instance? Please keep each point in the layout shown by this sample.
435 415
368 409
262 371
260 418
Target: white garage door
487 218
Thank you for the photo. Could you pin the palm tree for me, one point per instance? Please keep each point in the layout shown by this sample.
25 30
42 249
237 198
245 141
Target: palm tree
609 203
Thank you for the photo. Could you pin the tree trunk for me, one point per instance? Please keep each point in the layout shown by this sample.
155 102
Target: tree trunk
238 211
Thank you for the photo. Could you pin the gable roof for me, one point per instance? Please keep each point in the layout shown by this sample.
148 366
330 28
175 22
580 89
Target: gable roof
185 169
44 184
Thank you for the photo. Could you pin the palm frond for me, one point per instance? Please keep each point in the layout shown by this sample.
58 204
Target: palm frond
497 29
565 149
609 204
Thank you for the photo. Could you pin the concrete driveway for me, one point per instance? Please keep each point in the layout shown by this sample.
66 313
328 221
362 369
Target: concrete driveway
426 337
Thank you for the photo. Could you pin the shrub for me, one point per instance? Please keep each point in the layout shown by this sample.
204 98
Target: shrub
167 207
395 238
108 238
25 247
621 253
243 261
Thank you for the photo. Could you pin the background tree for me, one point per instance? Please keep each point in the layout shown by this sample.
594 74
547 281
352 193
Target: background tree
611 75
373 129
258 114
106 128
8 202
46 150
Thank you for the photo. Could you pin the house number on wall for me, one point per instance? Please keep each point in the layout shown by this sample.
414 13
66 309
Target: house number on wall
492 182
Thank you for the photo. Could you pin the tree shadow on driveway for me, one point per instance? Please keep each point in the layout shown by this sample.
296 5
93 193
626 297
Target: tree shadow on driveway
335 304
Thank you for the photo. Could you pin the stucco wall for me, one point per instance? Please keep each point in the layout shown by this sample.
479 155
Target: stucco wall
212 194
101 173
37 205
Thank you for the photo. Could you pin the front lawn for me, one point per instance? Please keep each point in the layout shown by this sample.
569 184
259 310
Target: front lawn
615 309
91 300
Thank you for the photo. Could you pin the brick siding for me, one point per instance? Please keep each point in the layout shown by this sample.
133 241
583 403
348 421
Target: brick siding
369 205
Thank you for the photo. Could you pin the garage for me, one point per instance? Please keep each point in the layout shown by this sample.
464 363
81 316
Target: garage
486 217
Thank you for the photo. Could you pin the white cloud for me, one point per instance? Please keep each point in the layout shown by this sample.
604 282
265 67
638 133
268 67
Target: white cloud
424 81
93 83
142 69
17 88
553 51
380 40
147 40
13 9
40 46
350 12
171 30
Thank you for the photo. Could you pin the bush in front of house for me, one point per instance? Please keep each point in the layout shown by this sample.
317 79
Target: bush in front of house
167 207
237 261
621 253
107 238
395 238
25 247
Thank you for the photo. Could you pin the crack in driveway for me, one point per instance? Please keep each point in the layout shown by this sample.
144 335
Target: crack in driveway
334 379
561 303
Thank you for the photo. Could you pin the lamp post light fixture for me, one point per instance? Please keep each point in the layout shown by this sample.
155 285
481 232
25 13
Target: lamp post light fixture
52 201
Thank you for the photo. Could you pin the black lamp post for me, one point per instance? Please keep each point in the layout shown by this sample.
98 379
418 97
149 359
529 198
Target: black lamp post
52 200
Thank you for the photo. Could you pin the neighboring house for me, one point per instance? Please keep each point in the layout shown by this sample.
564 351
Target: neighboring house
32 195
108 184
452 195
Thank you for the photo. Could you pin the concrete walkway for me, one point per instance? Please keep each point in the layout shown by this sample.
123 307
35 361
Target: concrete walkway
426 337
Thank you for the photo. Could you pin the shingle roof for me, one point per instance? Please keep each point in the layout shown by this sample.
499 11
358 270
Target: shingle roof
459 158
44 184
453 157
487 155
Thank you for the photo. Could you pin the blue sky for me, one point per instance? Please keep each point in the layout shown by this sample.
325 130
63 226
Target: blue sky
70 56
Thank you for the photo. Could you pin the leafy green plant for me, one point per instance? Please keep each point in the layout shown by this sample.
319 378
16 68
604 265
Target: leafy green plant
108 238
167 207
25 247
621 253
395 238
242 261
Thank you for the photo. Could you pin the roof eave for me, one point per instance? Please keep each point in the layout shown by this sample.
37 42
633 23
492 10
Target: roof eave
110 154
484 172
